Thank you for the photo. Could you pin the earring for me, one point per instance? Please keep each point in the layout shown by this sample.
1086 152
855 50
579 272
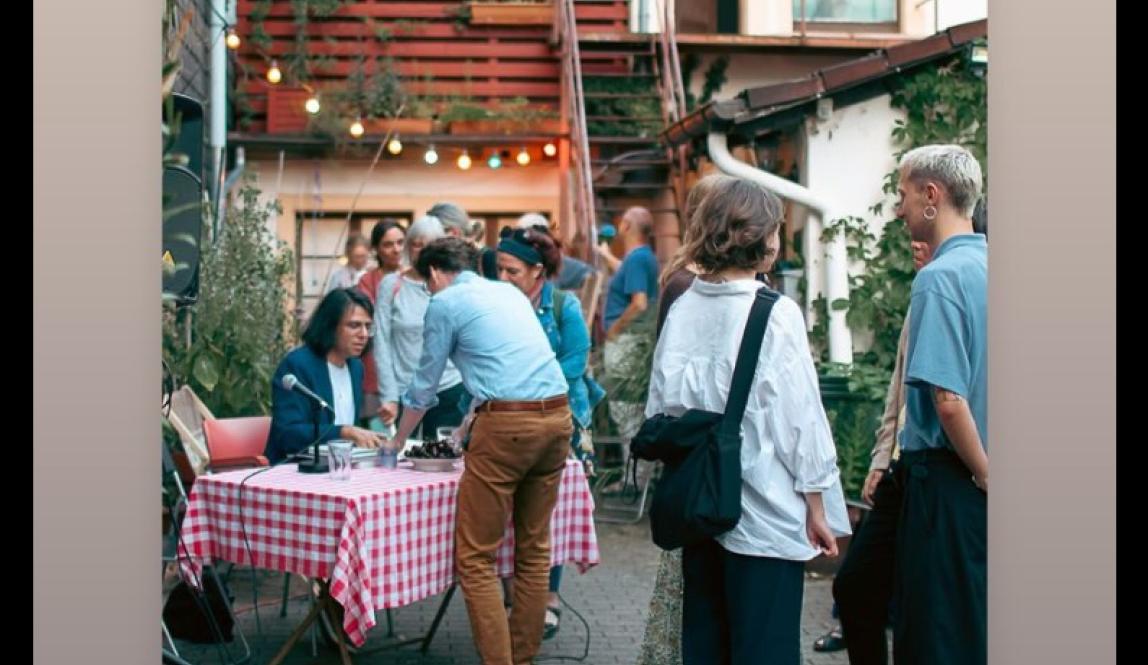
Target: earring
930 213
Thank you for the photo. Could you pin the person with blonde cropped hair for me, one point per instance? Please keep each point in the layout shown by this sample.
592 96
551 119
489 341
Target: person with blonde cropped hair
941 553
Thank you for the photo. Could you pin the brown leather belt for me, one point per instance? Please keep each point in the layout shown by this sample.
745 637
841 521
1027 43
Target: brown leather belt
528 405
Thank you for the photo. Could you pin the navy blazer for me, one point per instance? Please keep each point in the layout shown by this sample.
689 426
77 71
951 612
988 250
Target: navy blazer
293 415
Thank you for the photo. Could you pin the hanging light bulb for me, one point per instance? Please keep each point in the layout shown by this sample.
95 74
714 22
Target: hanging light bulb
523 157
495 161
430 156
395 146
550 149
274 75
357 128
464 161
312 104
232 40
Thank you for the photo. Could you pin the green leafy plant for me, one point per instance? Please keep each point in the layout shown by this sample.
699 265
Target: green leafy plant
642 112
714 78
465 110
630 381
239 327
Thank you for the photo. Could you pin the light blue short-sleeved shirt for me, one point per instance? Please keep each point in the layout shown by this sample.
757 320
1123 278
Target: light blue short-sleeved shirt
948 340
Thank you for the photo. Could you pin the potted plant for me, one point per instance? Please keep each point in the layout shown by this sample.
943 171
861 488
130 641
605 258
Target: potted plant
513 12
515 116
789 272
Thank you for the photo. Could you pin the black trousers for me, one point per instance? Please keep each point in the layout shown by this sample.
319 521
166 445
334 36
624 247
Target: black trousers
740 610
449 412
941 564
863 588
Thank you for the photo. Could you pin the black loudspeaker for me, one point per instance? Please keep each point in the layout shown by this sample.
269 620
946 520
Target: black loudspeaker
183 199
187 122
182 232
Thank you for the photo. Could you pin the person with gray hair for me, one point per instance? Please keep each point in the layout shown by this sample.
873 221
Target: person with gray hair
454 219
400 307
532 220
941 535
574 272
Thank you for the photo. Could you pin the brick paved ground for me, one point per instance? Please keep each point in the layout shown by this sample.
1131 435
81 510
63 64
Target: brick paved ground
612 597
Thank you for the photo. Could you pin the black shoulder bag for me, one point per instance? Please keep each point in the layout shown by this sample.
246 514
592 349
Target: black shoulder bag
699 493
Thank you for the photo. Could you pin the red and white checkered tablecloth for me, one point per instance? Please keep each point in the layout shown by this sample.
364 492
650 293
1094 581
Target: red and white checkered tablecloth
385 538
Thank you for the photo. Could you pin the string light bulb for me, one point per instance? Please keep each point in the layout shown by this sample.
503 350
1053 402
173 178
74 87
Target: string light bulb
464 160
430 156
357 128
550 149
274 75
523 157
312 105
232 40
395 146
495 161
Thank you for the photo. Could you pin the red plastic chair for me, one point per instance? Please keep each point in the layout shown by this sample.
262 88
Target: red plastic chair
236 443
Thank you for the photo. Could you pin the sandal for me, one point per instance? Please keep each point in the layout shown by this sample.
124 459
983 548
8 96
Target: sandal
834 640
552 621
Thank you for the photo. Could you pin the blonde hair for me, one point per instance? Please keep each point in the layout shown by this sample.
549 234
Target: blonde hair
951 166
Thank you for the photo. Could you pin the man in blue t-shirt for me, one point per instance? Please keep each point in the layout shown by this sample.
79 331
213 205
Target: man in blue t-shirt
941 548
634 287
631 295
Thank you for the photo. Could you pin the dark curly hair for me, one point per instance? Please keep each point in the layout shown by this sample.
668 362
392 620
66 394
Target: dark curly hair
547 246
449 254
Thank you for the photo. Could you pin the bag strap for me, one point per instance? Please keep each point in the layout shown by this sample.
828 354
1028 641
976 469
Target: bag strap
747 357
398 286
558 298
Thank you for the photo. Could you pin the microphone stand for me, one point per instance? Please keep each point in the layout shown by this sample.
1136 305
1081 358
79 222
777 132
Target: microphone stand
314 465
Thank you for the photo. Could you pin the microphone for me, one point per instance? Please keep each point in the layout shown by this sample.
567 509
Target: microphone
313 465
291 383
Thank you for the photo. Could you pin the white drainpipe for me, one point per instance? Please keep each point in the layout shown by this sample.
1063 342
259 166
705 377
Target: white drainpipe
217 104
836 259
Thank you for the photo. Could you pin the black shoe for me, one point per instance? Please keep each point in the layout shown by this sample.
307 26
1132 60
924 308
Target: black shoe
553 620
831 641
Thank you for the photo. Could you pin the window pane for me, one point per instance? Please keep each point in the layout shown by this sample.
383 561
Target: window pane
847 11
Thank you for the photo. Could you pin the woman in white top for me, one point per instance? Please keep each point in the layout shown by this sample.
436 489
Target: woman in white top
742 591
400 307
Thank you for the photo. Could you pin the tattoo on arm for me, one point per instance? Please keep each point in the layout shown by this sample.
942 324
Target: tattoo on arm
940 396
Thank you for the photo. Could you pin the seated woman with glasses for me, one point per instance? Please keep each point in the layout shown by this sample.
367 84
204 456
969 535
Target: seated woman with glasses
328 363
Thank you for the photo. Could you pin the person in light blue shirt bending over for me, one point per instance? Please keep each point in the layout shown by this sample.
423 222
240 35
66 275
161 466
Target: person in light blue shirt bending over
519 439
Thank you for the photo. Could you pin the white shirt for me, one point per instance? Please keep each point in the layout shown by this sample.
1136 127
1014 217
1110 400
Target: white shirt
787 448
343 277
344 394
399 316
